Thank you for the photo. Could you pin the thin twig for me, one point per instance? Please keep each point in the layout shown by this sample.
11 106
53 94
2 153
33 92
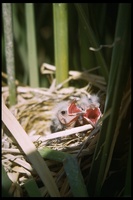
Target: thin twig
66 132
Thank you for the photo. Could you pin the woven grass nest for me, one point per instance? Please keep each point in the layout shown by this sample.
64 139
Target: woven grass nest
34 111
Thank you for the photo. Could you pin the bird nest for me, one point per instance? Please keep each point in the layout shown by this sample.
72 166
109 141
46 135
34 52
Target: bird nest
34 111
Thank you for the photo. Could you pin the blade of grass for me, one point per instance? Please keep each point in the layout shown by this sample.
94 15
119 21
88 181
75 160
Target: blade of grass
20 39
9 51
75 177
3 53
30 150
31 43
116 56
87 57
72 170
117 81
127 192
61 41
32 188
92 39
101 24
6 183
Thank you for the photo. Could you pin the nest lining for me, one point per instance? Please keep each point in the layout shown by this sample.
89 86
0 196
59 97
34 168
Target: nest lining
33 111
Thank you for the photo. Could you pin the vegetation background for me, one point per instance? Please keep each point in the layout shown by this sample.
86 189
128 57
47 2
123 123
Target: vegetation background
100 17
89 25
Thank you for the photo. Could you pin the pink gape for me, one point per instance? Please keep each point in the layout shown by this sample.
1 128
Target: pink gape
88 115
69 114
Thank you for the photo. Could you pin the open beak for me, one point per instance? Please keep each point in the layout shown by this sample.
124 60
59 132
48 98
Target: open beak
80 117
73 109
73 115
92 115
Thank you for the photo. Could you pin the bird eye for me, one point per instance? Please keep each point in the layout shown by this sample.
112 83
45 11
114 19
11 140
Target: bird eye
81 108
63 112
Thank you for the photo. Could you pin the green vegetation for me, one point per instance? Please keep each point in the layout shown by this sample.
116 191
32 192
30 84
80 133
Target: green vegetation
78 37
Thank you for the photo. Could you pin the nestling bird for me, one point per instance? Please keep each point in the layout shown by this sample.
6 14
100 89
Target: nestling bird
65 116
69 114
91 106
